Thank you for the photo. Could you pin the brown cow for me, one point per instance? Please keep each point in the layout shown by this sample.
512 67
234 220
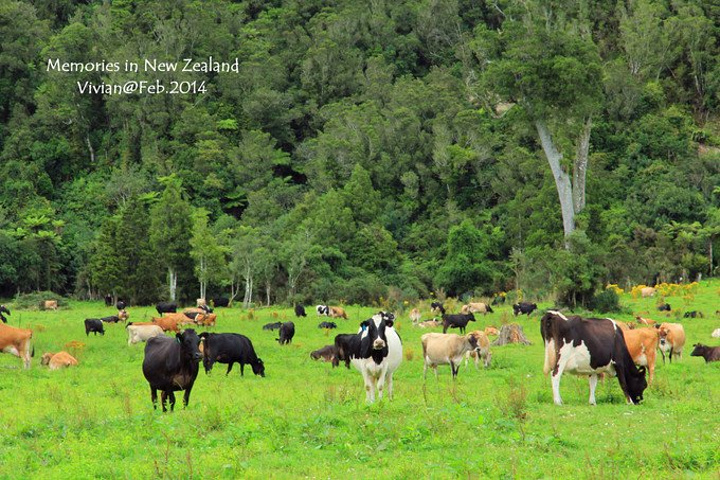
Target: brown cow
337 312
672 339
168 322
58 360
50 305
17 341
644 321
206 319
642 344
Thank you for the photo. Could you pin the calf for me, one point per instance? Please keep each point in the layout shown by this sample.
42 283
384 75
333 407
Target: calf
287 332
94 325
170 322
672 339
230 348
58 360
328 353
437 306
172 364
478 307
18 342
459 320
322 310
166 307
345 345
642 344
327 325
272 326
524 308
206 319
446 349
337 312
482 351
4 309
589 347
710 354
141 333
300 311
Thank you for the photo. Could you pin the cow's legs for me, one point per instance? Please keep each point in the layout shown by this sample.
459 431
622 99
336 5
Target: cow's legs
153 397
389 381
557 373
593 384
369 387
454 369
671 354
171 395
163 400
242 369
380 382
230 365
186 397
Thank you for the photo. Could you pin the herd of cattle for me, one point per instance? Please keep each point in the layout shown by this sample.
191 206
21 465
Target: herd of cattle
582 346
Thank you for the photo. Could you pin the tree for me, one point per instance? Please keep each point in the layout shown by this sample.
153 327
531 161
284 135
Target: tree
205 251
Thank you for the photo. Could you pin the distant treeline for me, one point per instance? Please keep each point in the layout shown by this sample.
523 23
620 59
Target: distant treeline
364 151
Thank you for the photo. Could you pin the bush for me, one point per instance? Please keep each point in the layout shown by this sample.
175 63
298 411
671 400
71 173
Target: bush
606 301
34 300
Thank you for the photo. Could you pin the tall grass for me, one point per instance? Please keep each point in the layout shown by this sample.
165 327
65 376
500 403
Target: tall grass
307 420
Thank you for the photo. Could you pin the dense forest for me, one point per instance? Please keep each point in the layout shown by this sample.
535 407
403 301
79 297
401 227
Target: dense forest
363 151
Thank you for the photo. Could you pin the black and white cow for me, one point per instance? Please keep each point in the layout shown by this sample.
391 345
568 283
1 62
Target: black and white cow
524 308
322 310
327 325
3 309
588 346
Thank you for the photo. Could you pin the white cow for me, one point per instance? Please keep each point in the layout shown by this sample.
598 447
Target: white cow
141 333
378 354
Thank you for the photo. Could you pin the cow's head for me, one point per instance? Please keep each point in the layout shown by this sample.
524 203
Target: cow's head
258 367
472 340
45 359
698 350
636 385
190 344
663 332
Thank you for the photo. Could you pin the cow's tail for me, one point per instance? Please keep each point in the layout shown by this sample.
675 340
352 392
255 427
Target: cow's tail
550 356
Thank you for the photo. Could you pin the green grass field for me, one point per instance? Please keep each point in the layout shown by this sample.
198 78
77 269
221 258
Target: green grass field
307 420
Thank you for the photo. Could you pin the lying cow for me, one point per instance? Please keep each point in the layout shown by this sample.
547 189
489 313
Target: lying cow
337 312
50 305
328 353
710 354
94 325
18 342
58 360
429 324
478 307
230 348
170 365
142 333
664 307
111 319
672 339
693 314
524 308
459 320
588 347
327 325
647 292
446 349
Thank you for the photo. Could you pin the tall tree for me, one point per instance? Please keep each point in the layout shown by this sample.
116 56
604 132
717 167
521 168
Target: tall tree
205 251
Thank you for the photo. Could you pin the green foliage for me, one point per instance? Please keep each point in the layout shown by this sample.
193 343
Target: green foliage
606 301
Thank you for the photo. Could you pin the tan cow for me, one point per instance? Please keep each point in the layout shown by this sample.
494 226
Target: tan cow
642 344
645 321
18 342
647 292
624 326
415 315
58 360
429 324
482 350
672 339
444 349
50 305
206 319
142 332
478 307
337 312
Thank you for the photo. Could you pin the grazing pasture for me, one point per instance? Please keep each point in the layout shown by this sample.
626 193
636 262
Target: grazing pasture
308 420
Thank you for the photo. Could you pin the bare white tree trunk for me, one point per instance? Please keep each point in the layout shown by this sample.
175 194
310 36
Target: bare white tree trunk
580 166
247 299
268 284
172 279
562 179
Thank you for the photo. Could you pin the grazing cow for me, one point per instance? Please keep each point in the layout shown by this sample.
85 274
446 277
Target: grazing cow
327 325
664 307
111 319
647 292
337 312
272 326
491 330
377 354
230 348
429 324
693 314
94 325
108 300
481 351
459 320
172 364
220 302
446 349
4 309
716 333
58 360
437 306
287 332
50 305
327 353
524 308
588 347
642 344
141 333
710 354
121 305
415 315
345 345
644 321
166 307
170 322
18 342
672 339
300 311
322 310
478 307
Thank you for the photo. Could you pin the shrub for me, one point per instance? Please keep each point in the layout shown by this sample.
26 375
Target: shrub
32 301
606 301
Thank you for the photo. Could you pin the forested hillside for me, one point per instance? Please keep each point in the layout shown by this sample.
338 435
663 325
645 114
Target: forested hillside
362 149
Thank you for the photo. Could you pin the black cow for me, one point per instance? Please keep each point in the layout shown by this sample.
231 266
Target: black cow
327 325
328 353
230 348
108 300
272 326
121 305
693 314
111 319
588 346
172 364
4 309
459 320
437 306
665 307
287 332
300 311
220 302
94 325
710 354
345 344
166 307
524 308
